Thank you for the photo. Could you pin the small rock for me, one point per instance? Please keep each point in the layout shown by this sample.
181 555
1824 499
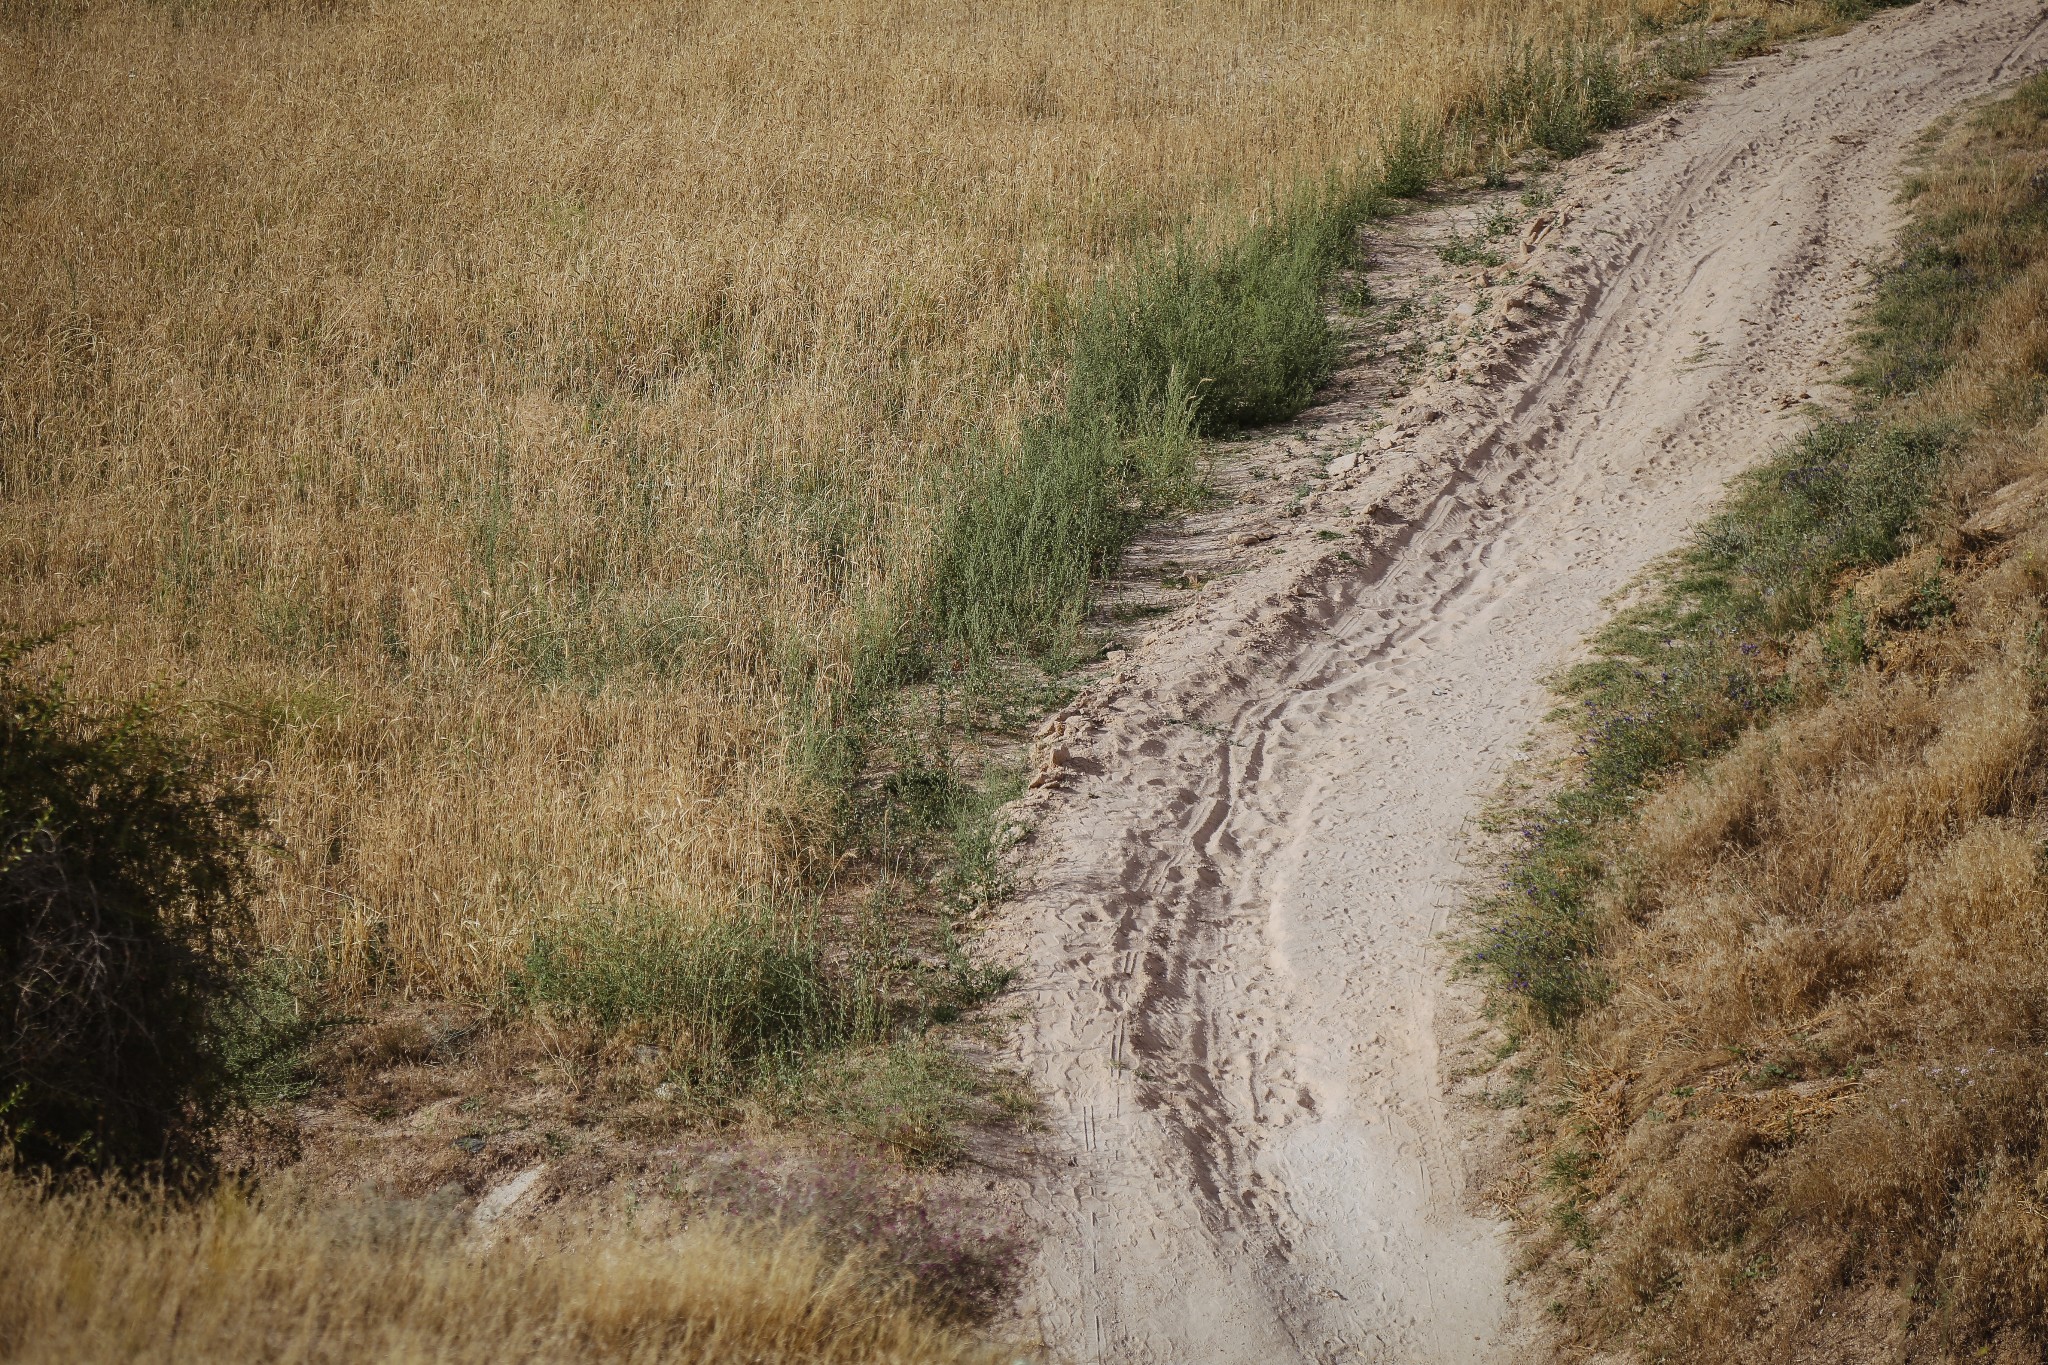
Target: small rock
2009 510
1258 537
1344 464
500 1200
664 1091
647 1056
1390 439
471 1143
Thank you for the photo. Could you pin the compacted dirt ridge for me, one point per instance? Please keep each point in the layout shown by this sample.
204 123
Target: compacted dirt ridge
1247 833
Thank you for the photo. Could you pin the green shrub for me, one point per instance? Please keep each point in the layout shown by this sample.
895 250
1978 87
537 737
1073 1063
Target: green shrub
126 1011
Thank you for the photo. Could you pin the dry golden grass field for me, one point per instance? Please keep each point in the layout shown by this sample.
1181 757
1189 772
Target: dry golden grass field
528 440
505 423
96 1276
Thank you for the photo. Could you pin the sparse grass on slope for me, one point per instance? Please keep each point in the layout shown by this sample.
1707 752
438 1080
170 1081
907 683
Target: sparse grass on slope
1784 941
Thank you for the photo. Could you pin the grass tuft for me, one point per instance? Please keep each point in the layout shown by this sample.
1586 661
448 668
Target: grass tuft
732 989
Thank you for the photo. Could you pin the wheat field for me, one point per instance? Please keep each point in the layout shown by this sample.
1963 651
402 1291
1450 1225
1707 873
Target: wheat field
499 423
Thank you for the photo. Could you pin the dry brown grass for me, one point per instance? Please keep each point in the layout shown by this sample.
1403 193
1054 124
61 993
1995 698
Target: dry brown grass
101 1276
501 421
1811 1120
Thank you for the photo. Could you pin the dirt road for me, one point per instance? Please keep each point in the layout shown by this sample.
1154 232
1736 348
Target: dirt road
1248 836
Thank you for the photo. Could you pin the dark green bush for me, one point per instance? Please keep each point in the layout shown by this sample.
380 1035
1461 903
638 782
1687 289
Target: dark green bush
125 882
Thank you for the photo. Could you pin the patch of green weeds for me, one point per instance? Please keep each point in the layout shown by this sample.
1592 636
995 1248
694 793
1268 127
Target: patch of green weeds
1560 98
912 1096
1414 159
1356 298
1568 1172
1851 11
1459 249
727 991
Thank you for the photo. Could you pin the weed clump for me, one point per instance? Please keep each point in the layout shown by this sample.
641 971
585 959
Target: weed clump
729 990
1559 97
1204 338
1414 157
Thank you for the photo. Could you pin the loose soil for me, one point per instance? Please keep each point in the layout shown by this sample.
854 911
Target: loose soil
1267 1118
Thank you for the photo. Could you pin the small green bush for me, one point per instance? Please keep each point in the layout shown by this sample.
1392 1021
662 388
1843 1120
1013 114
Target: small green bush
126 1013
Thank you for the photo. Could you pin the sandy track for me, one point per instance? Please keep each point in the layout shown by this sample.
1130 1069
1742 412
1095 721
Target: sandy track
1251 839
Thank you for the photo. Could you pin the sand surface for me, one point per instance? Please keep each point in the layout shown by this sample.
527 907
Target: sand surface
1248 831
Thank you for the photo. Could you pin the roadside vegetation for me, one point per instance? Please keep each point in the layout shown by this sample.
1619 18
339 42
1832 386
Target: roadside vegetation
135 1027
1777 944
